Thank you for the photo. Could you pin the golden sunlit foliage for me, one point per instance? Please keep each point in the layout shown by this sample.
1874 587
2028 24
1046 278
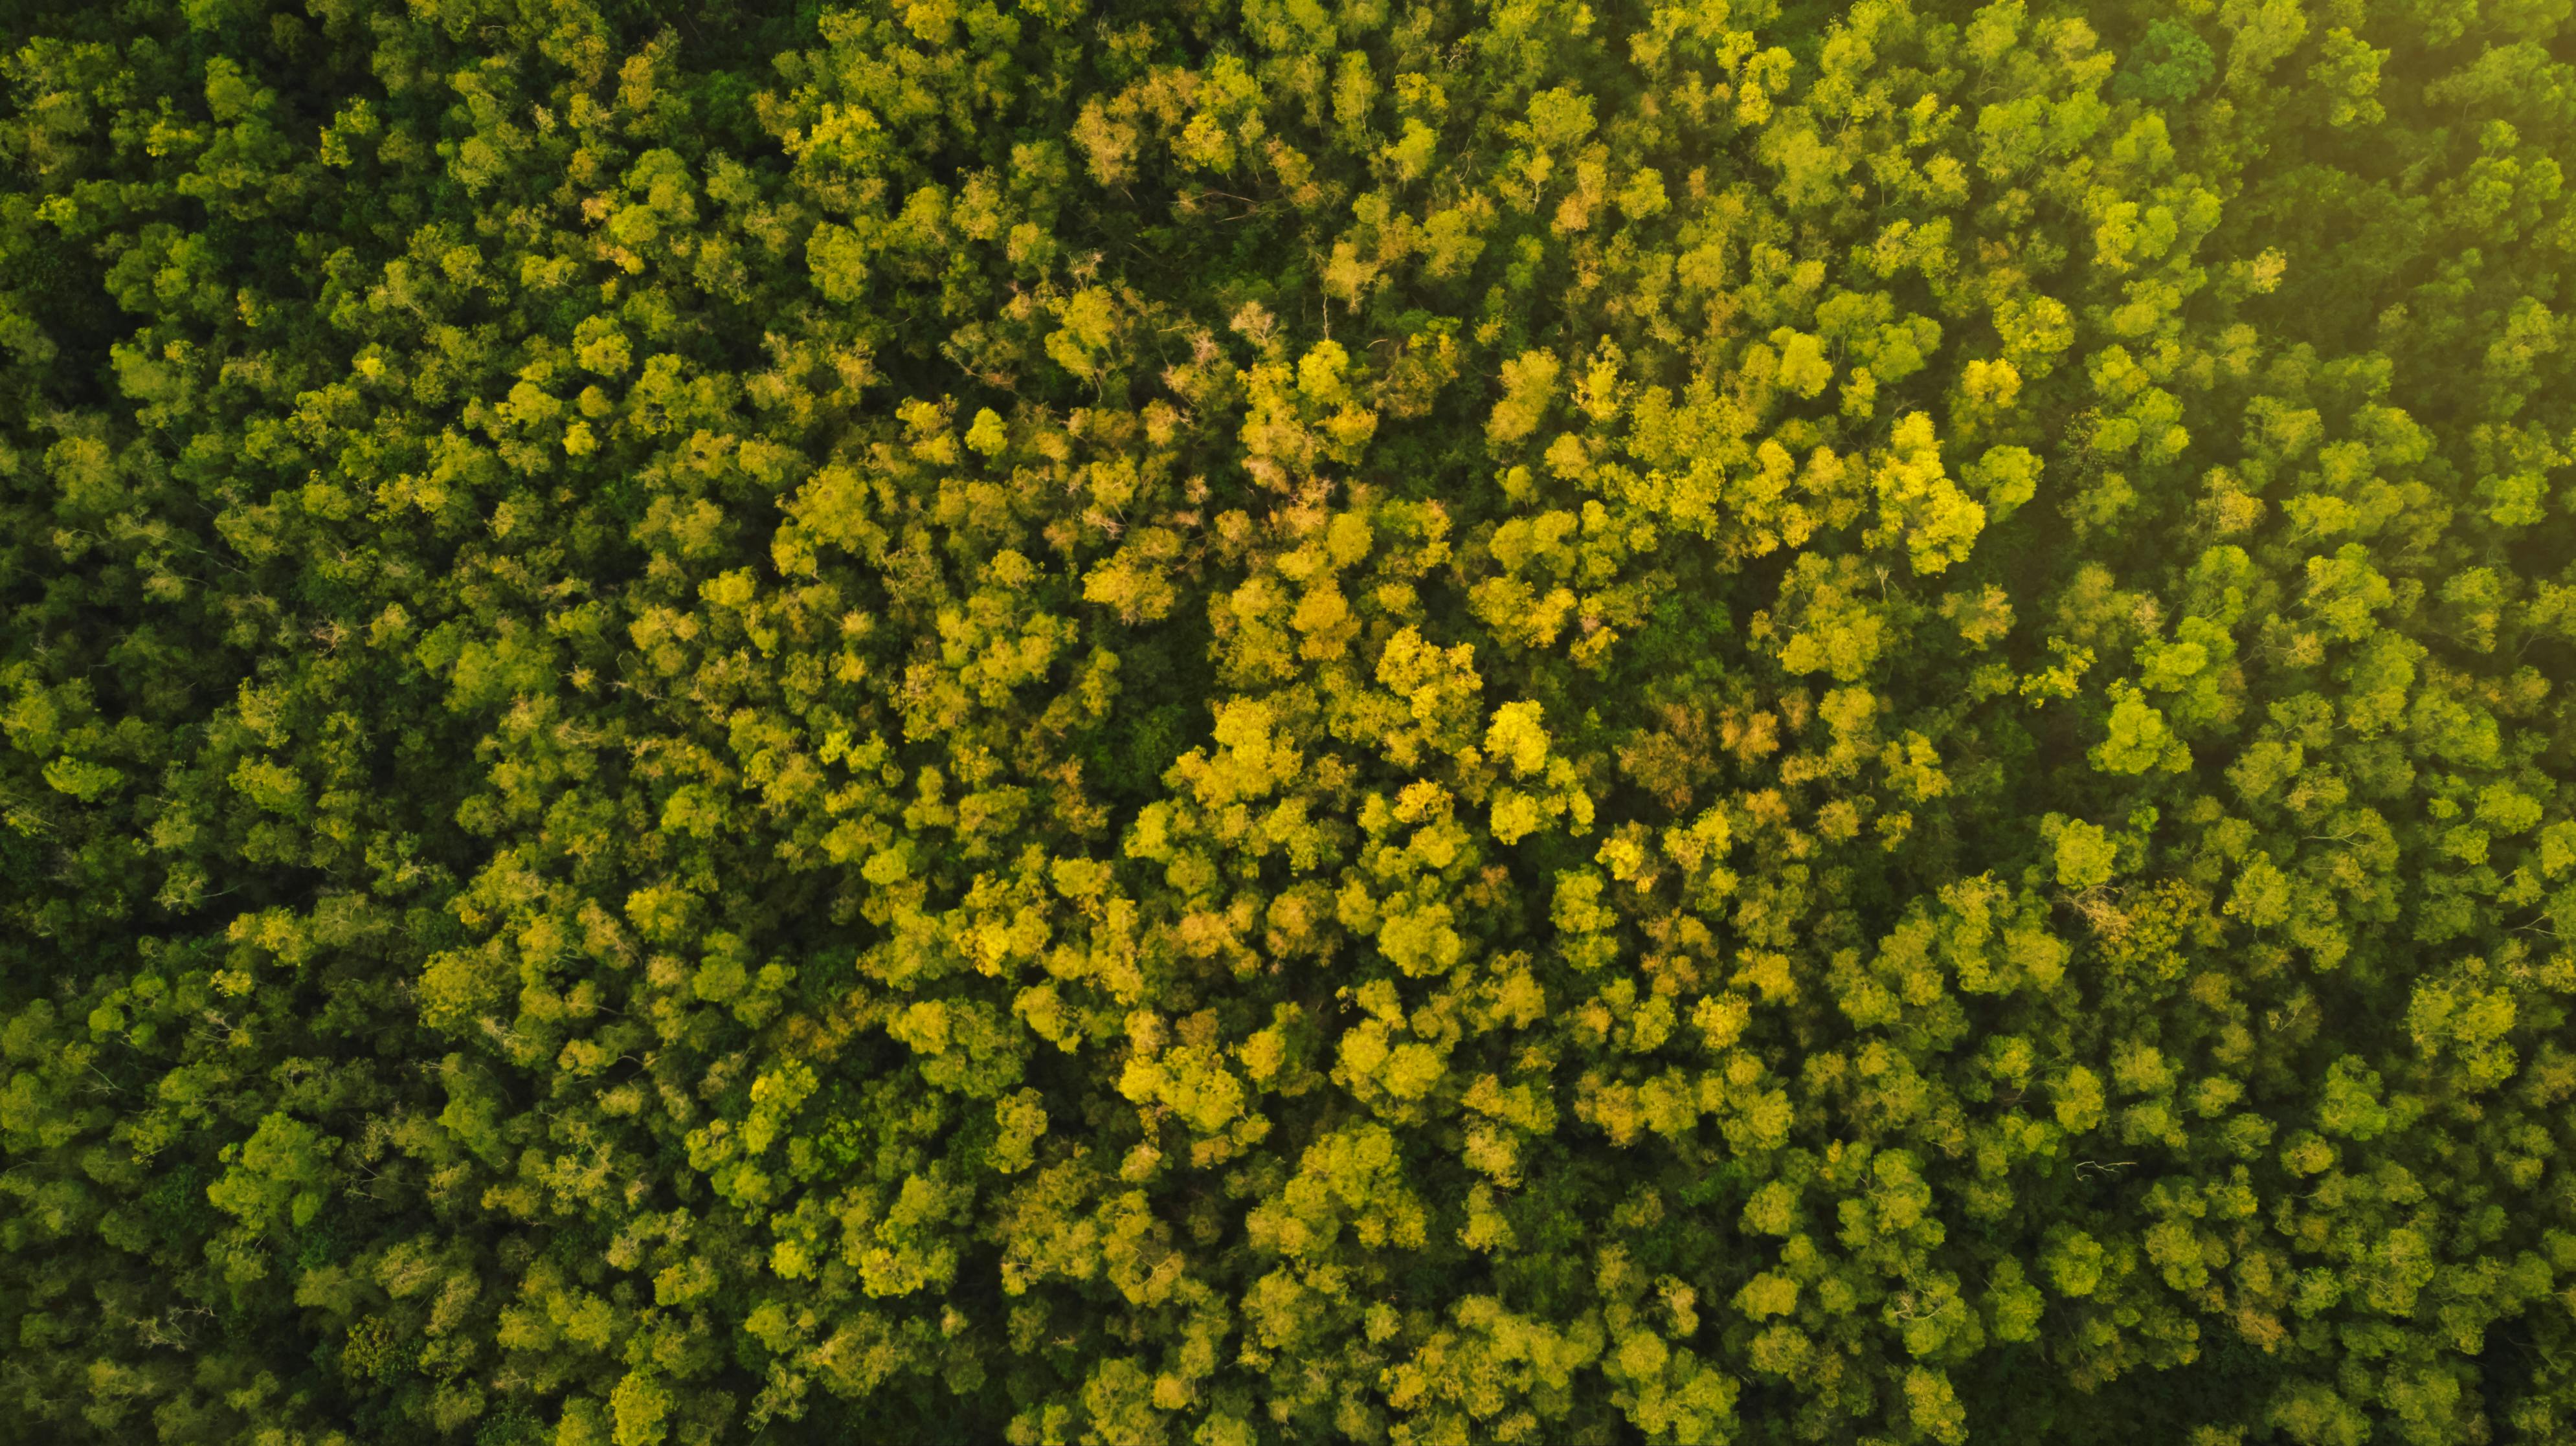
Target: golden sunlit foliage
1287 721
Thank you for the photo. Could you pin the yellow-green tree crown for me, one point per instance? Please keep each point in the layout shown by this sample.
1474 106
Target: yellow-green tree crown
1256 722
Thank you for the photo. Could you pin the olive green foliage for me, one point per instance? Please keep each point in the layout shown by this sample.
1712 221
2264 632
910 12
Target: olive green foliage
1287 721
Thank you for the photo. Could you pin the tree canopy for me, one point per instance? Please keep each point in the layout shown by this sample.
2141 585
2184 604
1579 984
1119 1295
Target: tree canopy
1227 724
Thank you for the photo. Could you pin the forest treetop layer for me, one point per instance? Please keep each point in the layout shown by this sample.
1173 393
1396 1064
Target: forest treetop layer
1244 724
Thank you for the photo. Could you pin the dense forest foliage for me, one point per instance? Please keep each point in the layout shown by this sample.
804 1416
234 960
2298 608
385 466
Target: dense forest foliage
1245 722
